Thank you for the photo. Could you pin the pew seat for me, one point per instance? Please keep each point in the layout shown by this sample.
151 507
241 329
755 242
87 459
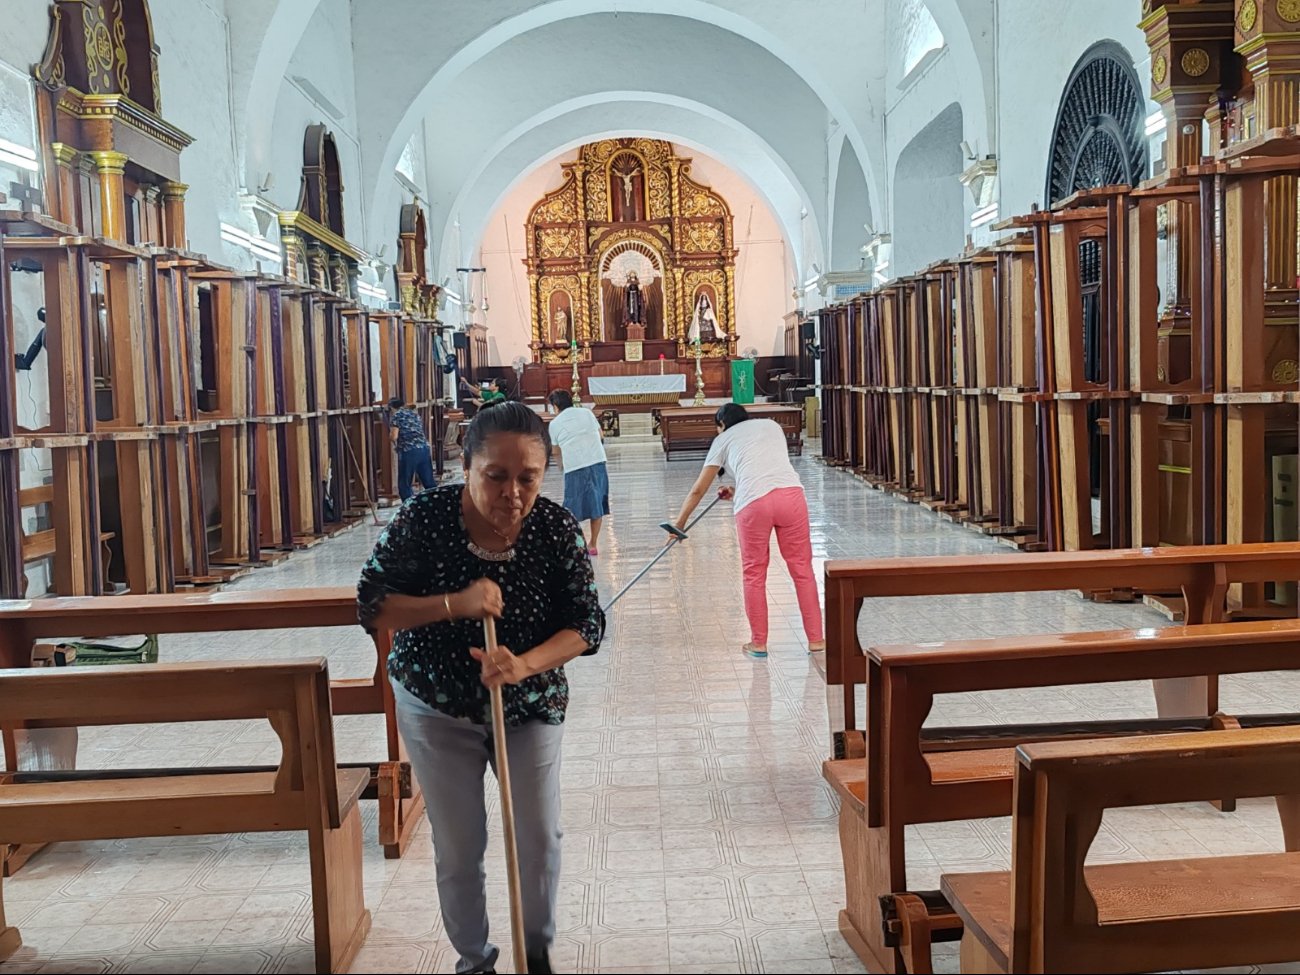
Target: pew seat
1127 893
307 792
1051 912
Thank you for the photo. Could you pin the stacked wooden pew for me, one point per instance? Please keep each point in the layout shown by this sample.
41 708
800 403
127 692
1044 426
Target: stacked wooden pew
202 419
1125 360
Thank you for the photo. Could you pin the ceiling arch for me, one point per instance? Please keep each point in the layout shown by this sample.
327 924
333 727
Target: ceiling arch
553 133
264 36
742 53
967 27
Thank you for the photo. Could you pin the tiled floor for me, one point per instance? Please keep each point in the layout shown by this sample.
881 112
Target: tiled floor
700 836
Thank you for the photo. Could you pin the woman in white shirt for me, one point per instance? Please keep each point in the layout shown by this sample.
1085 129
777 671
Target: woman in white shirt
579 445
769 497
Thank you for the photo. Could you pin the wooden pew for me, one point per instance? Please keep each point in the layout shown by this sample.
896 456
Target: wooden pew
912 776
1202 573
308 792
1050 913
692 429
24 622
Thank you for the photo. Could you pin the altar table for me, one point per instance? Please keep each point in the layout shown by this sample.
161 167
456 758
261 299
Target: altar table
618 390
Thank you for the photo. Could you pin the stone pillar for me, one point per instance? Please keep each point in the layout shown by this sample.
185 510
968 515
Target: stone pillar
174 235
111 167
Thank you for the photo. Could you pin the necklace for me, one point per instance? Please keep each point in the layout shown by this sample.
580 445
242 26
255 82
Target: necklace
487 555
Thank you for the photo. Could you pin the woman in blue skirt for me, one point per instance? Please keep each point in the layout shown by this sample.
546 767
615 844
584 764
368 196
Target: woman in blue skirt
579 447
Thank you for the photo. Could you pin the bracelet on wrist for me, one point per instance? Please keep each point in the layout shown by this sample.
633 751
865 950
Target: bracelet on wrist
446 601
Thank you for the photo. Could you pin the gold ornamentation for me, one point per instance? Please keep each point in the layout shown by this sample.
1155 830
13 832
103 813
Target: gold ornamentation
1195 62
1159 70
122 109
557 242
1289 10
558 207
1286 372
703 237
1247 16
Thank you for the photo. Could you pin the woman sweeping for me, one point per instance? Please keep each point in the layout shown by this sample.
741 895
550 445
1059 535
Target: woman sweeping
450 557
579 446
769 496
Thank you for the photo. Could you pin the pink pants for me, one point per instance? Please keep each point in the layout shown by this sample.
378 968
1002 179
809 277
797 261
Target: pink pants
785 510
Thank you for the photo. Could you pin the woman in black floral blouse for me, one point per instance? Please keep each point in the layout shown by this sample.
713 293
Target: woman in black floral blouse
450 557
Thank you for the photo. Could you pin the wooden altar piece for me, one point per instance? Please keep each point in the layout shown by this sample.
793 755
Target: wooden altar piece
693 429
623 206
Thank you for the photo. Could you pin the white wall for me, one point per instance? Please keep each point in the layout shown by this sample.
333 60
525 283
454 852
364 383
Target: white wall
324 59
763 272
193 73
1038 47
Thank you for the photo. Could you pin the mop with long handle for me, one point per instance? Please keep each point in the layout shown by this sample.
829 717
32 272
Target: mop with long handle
678 535
507 812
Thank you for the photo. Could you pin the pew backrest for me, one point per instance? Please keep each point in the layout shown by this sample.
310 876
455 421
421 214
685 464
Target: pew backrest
909 781
293 697
1208 919
1203 574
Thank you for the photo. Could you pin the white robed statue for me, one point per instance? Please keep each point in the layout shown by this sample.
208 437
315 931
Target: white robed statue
704 323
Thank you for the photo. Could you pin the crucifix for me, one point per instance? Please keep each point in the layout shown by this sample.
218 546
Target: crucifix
628 185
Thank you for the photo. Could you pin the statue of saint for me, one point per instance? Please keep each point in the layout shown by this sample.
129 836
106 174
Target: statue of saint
704 323
633 303
560 330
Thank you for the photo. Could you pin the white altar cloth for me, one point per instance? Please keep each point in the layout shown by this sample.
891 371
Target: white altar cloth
637 385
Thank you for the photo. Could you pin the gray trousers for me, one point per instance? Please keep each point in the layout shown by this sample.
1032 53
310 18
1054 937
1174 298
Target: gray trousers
450 758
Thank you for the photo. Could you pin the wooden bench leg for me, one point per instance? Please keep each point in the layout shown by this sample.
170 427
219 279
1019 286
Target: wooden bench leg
338 901
1288 810
975 958
10 940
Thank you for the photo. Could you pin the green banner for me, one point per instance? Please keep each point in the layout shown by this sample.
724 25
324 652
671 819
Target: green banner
742 381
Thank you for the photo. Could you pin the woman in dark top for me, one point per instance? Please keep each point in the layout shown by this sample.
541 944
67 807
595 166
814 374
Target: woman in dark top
450 557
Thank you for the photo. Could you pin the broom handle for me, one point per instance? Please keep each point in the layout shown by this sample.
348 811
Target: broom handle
507 812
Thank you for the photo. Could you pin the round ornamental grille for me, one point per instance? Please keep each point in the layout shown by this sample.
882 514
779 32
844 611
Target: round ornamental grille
1100 128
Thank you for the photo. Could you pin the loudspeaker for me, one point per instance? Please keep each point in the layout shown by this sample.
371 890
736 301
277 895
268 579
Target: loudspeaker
808 330
461 340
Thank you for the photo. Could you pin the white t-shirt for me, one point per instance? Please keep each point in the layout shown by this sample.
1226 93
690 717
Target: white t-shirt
576 431
756 455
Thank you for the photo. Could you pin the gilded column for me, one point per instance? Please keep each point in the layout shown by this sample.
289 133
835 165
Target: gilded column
174 235
587 332
111 167
64 183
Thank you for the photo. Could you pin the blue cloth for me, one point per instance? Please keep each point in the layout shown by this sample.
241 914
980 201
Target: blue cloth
410 431
586 492
417 462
